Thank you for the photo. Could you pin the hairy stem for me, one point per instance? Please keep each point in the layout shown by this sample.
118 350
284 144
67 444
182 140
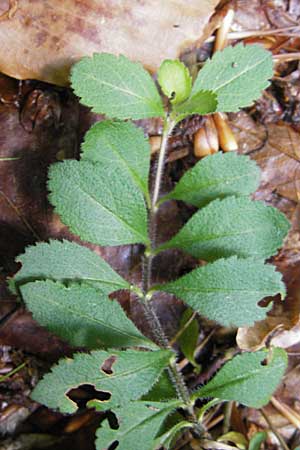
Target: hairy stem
153 320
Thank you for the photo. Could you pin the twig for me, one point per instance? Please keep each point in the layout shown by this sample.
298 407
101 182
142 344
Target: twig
286 56
291 415
274 430
227 416
235 35
12 372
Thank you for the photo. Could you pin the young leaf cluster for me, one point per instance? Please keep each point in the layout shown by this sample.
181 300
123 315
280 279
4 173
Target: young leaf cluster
104 198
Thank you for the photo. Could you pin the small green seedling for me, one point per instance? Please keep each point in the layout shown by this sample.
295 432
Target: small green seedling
104 199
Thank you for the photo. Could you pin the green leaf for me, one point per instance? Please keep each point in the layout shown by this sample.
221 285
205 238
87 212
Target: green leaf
162 390
189 337
228 290
257 439
168 439
115 86
237 438
237 75
81 315
233 226
100 204
138 425
175 80
119 144
132 373
246 379
217 176
67 262
203 102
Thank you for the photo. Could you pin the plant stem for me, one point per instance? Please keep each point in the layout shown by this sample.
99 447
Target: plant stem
168 127
153 320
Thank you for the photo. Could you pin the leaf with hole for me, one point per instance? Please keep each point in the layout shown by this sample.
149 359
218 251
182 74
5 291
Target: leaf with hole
99 203
227 290
248 378
237 75
119 144
115 86
131 374
67 262
138 425
217 176
81 315
233 226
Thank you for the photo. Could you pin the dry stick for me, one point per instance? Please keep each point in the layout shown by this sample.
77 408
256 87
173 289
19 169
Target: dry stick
227 416
291 415
153 320
251 33
274 430
286 56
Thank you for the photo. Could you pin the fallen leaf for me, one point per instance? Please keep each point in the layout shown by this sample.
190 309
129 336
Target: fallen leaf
42 39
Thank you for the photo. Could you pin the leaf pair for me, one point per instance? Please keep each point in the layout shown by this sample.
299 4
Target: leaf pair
243 231
66 288
122 89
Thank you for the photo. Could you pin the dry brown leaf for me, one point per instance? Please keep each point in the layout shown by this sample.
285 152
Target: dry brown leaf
41 39
279 160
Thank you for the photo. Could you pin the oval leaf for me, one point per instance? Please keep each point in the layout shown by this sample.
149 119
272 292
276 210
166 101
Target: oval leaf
217 176
175 80
115 86
67 262
233 226
101 205
81 315
228 290
130 375
247 379
119 144
237 75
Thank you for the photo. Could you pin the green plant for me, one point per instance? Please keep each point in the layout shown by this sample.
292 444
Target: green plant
104 198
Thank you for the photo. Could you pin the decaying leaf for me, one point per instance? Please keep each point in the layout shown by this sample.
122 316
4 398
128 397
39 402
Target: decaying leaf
42 39
279 159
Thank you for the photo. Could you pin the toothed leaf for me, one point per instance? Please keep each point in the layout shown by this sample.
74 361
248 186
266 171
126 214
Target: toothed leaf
99 203
233 226
81 315
119 144
138 425
247 379
217 176
237 75
175 80
129 377
67 262
115 86
228 290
